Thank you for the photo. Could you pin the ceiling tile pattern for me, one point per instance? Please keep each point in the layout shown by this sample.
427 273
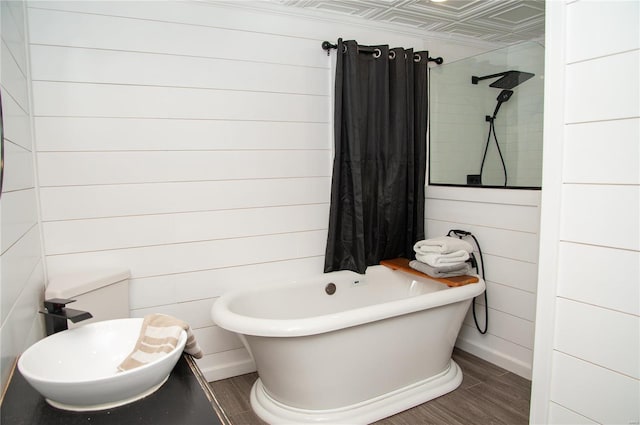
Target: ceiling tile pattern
504 21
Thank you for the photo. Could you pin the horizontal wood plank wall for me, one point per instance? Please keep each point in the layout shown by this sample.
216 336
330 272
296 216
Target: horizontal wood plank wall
22 280
188 142
592 365
505 223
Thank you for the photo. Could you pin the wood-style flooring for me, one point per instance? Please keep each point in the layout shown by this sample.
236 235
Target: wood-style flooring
487 395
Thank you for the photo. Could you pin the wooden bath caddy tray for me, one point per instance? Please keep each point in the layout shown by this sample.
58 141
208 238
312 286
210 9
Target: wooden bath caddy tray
403 265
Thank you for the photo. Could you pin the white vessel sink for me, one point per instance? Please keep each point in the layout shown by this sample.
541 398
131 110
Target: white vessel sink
77 369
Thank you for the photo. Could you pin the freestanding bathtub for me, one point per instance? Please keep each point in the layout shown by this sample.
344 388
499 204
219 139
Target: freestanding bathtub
344 348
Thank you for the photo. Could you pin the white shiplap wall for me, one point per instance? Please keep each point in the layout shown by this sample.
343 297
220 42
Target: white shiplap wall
505 222
188 142
22 278
587 364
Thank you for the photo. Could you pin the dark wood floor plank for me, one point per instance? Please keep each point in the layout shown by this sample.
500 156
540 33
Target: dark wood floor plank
247 418
431 413
233 394
460 407
488 395
502 392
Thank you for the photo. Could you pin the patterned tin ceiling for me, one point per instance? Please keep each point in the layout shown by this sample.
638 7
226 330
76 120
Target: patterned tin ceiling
503 21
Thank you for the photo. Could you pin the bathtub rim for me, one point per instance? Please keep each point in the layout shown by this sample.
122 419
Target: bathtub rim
256 326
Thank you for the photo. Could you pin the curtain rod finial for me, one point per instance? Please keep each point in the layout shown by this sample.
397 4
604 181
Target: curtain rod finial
328 46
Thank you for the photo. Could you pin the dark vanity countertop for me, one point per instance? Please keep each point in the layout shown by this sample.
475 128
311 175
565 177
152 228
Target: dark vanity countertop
185 399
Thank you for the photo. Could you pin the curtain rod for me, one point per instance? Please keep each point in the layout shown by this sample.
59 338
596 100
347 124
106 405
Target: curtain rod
326 45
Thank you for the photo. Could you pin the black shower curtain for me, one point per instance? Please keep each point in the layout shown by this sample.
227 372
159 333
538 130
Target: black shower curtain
377 191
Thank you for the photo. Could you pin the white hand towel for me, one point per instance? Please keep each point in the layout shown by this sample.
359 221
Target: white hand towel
159 336
442 245
436 260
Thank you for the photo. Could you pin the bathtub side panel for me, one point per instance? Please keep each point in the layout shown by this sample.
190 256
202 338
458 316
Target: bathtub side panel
358 363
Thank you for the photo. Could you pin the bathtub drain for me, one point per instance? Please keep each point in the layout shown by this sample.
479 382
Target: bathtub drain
330 288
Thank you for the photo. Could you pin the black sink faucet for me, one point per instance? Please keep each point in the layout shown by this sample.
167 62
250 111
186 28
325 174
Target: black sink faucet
56 315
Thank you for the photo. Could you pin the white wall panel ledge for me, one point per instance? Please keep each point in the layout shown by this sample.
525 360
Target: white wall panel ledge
13 31
601 276
604 152
68 236
14 78
499 351
485 195
591 41
605 215
213 339
197 313
54 63
17 123
579 326
95 168
502 216
68 203
19 216
82 134
22 326
562 416
506 299
18 263
599 394
18 168
521 246
503 325
194 285
110 100
72 29
194 256
522 275
618 98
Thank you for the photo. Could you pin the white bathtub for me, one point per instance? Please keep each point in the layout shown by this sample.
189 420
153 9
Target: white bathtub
380 344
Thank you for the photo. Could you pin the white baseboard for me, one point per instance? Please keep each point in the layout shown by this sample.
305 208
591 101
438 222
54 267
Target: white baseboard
225 365
499 359
228 371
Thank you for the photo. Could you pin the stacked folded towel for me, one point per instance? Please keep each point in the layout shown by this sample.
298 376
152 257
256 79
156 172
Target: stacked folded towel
442 245
442 271
443 256
159 336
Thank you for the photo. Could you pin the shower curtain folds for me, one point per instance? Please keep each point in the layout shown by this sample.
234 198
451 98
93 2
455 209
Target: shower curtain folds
377 189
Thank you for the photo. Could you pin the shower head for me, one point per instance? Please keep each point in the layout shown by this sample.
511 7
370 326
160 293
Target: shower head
508 80
511 79
502 97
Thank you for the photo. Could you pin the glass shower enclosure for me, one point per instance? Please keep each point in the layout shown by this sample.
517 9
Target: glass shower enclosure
486 116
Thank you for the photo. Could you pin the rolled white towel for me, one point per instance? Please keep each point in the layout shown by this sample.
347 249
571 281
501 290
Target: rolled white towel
442 245
435 260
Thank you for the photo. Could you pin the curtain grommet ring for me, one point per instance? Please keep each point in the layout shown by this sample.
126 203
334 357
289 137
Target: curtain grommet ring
392 54
377 53
344 48
416 57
